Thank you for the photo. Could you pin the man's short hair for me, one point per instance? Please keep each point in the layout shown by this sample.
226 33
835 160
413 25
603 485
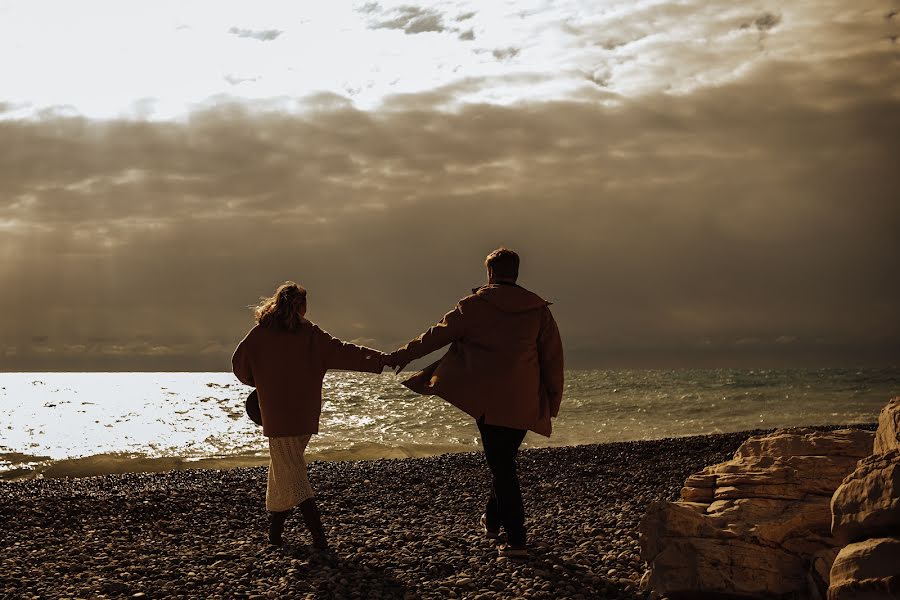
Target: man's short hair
503 263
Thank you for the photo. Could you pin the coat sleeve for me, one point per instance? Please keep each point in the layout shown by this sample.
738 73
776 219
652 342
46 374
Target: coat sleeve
240 364
349 357
449 329
550 356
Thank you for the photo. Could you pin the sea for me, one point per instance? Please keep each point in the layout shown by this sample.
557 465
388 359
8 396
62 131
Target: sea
81 424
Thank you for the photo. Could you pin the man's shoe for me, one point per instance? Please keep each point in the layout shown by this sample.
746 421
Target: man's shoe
509 551
491 534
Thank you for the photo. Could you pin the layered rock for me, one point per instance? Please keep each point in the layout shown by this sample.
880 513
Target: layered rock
867 504
888 435
867 570
866 516
752 526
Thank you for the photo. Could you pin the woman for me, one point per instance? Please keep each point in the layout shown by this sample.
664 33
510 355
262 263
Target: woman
285 357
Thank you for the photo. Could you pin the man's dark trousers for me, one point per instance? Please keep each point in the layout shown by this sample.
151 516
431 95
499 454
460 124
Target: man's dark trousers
504 506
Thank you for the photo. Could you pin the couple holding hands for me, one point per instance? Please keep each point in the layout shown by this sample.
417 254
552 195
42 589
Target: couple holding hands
504 368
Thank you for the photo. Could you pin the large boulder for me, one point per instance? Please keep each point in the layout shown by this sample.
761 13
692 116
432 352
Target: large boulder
757 525
845 443
888 435
866 514
867 503
691 553
867 570
787 464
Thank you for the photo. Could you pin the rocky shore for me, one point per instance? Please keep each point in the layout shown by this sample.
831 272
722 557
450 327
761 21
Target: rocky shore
398 528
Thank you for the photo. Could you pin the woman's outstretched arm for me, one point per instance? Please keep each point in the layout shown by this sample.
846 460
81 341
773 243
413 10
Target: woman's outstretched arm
349 357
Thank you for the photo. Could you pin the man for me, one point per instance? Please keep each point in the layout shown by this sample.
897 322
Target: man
504 368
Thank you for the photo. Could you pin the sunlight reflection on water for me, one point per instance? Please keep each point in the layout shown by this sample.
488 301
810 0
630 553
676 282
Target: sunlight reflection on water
51 417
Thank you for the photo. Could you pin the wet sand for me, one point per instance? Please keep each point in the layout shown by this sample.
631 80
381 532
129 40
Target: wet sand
405 528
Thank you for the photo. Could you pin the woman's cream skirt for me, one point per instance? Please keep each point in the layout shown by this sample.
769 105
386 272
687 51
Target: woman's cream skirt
288 481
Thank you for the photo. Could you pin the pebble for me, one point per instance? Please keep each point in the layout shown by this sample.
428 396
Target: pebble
399 529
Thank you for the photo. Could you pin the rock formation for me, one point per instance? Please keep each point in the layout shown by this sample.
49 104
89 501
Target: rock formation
867 504
867 570
866 516
888 435
757 525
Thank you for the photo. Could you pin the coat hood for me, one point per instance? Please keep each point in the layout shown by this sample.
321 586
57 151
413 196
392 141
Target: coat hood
510 298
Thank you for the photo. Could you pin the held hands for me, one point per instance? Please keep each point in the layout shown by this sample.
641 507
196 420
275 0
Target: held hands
391 360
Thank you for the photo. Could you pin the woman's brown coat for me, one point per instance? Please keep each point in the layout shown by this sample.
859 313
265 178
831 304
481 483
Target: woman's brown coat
505 361
287 369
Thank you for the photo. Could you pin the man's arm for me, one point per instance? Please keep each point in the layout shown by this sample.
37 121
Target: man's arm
550 356
446 331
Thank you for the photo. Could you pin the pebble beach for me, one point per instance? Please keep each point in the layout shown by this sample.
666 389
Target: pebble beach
403 528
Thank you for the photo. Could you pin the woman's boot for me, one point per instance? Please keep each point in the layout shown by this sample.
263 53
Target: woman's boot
276 526
313 521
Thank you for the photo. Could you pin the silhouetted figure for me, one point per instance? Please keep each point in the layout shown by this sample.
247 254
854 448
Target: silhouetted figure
504 368
285 357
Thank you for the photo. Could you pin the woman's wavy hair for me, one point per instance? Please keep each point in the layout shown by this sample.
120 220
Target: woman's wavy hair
284 310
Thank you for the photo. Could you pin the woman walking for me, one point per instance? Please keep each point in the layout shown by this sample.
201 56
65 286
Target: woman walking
285 357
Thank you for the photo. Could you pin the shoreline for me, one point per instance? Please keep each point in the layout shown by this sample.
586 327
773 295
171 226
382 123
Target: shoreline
399 528
99 465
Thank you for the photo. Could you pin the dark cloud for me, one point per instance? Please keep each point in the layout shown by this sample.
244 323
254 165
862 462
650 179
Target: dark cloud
263 35
753 222
506 53
767 21
613 42
764 22
600 76
412 20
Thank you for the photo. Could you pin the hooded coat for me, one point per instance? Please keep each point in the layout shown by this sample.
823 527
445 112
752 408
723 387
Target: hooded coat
505 361
287 369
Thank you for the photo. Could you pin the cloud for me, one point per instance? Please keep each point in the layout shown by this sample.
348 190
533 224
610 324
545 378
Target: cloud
719 215
764 22
369 7
412 20
235 80
600 76
767 21
506 53
670 226
263 35
649 47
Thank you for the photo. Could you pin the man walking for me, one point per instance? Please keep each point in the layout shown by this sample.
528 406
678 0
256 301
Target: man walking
504 367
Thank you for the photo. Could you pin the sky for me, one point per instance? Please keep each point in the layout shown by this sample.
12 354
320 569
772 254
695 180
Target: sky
692 184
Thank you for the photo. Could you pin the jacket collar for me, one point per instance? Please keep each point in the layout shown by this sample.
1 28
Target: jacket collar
510 283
